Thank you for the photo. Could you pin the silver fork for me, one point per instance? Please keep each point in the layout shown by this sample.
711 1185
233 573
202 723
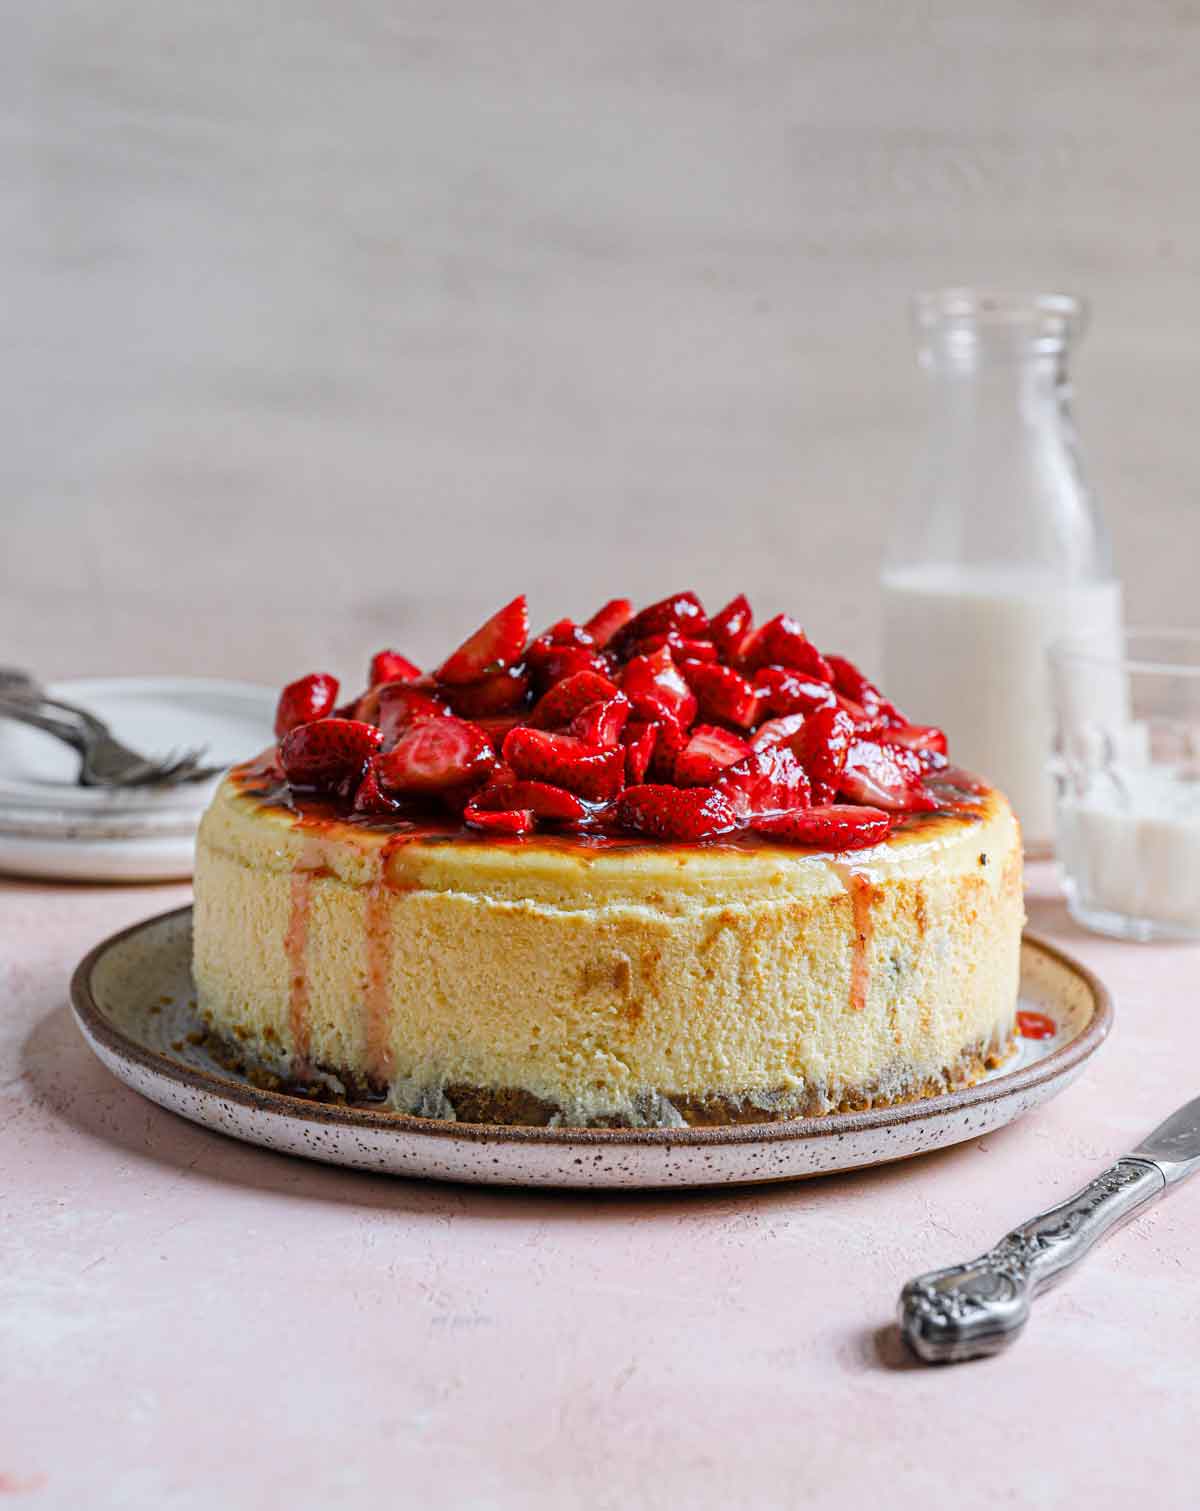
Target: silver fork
104 760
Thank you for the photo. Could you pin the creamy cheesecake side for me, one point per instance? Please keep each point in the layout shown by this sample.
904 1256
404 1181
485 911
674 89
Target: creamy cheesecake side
548 980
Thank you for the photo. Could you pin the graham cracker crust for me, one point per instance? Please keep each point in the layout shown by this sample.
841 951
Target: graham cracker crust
513 1107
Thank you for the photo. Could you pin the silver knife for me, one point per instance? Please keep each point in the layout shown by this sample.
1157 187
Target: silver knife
979 1308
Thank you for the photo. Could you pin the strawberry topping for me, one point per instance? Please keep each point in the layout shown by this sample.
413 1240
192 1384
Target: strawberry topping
564 761
782 691
842 826
570 697
497 694
328 755
660 723
499 821
602 723
541 799
398 705
682 813
886 776
657 690
682 611
606 622
723 694
730 629
391 666
639 741
433 755
709 751
303 701
494 646
822 744
781 642
766 782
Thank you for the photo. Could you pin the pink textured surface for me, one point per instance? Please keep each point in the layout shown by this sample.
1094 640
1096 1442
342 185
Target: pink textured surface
187 1322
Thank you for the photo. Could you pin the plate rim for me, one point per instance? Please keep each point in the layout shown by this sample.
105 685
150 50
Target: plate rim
97 1029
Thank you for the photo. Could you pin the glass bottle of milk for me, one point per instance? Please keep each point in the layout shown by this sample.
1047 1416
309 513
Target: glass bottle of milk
999 549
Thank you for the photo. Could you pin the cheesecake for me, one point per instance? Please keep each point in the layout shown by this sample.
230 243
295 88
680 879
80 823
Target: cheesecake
651 869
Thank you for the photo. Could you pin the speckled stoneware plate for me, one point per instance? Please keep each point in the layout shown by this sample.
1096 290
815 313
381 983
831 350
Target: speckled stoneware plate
132 996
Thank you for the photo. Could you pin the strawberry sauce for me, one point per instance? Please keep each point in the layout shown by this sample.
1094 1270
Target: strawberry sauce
1036 1026
259 781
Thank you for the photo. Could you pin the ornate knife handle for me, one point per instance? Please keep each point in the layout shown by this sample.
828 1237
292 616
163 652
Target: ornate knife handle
980 1307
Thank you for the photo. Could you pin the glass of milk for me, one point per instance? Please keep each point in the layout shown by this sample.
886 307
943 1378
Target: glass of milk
999 549
1127 777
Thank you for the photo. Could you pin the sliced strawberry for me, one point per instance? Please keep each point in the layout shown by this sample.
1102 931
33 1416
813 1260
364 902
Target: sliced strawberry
821 745
841 826
639 740
498 694
723 694
540 798
434 755
777 731
731 628
499 821
328 755
492 647
781 642
656 689
496 726
567 632
784 691
605 622
670 740
886 776
851 683
707 753
566 762
391 666
549 664
918 737
766 782
369 797
570 697
398 705
679 813
304 700
601 723
682 649
682 611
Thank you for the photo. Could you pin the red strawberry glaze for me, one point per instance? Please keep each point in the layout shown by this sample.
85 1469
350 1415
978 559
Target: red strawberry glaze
664 698
1036 1025
259 781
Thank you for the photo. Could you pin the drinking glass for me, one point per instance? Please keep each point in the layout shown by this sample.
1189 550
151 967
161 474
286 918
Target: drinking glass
1126 770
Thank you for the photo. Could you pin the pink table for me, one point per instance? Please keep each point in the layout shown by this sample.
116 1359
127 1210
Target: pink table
190 1323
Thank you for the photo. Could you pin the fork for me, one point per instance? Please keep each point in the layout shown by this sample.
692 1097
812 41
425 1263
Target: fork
105 761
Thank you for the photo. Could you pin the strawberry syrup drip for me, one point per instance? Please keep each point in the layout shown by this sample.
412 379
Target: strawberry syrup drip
862 895
1036 1026
309 866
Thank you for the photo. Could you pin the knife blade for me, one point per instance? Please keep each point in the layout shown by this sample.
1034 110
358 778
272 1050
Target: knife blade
969 1310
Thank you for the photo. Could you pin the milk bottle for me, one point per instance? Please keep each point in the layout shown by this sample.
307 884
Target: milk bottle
999 551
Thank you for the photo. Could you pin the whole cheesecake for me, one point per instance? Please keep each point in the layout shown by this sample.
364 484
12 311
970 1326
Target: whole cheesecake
651 870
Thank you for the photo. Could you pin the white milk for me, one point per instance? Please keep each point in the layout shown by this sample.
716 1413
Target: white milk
965 648
1130 848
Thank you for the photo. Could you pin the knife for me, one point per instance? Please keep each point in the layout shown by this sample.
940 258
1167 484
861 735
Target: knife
973 1309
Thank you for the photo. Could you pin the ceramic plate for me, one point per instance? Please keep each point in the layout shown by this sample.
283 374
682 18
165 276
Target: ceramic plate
132 998
50 826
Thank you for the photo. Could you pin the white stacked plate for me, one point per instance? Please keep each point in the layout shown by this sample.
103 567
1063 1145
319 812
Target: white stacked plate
52 827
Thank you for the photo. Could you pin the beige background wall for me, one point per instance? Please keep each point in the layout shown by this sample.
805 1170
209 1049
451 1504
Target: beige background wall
329 324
